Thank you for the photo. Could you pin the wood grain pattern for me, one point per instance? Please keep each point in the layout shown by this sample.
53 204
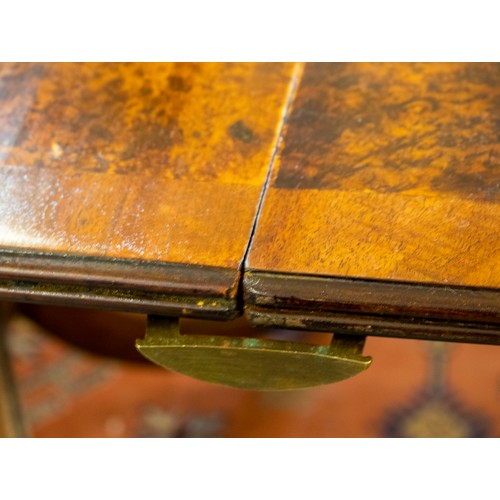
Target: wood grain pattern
423 129
131 163
385 169
387 174
439 240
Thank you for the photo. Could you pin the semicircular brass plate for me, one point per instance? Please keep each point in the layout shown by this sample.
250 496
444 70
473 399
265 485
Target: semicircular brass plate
249 363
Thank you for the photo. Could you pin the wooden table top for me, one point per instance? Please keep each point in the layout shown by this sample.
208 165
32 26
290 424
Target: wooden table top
134 186
138 187
383 210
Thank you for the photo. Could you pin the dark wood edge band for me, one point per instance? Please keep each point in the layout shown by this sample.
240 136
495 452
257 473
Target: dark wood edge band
214 308
117 273
327 295
375 326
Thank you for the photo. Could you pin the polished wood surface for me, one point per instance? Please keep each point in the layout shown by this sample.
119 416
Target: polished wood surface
105 168
385 168
136 187
388 176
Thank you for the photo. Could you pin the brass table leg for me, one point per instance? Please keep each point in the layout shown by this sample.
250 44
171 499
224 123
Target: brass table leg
10 415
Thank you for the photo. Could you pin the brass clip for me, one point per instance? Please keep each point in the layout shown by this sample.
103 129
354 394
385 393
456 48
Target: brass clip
250 363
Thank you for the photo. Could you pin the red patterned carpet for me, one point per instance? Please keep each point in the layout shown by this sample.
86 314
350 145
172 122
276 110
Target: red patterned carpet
413 389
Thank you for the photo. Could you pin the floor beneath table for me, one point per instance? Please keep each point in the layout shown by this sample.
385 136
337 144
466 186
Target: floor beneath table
413 389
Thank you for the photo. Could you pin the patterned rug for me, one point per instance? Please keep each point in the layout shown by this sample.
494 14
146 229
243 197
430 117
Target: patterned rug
413 389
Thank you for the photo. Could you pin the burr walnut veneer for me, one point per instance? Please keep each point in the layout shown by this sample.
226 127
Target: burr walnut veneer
382 215
357 198
134 186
